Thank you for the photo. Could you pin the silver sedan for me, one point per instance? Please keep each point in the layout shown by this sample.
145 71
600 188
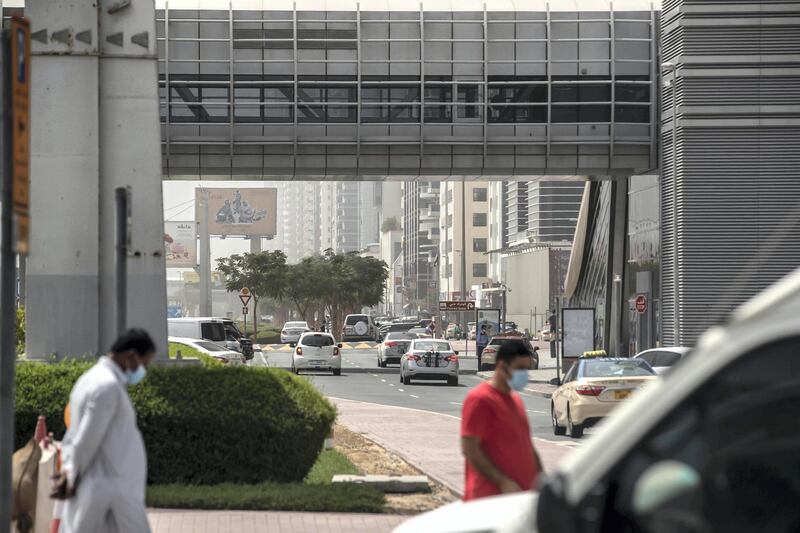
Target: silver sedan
429 359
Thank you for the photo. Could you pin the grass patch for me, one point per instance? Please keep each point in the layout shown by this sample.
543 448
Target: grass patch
329 464
316 493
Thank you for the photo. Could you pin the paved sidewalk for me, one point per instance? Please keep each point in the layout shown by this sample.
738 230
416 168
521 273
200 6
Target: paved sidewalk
190 521
429 441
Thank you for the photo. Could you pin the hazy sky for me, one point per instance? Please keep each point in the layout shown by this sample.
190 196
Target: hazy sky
179 207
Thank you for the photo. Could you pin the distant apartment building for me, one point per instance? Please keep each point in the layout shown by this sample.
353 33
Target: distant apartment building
348 218
473 206
420 205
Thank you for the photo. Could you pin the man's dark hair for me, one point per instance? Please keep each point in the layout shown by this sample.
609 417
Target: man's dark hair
511 350
483 326
135 339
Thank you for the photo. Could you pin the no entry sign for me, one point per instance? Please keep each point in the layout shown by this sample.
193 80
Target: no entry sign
641 304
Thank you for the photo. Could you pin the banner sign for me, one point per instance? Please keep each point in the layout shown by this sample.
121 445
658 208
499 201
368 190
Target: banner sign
180 244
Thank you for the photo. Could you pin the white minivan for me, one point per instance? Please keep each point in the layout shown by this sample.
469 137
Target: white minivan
210 329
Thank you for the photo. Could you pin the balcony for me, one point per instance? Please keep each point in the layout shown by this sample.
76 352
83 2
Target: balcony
433 234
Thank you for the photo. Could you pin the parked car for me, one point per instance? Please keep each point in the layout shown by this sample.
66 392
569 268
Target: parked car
212 349
663 359
429 359
235 339
489 354
592 388
393 347
359 328
316 351
292 331
210 329
710 447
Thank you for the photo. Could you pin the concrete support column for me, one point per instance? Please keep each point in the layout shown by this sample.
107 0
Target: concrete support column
95 128
617 307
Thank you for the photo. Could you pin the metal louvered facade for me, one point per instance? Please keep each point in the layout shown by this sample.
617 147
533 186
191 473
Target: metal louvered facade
730 142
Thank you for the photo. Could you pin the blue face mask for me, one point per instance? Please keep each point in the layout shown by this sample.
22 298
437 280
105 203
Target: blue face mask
135 376
519 379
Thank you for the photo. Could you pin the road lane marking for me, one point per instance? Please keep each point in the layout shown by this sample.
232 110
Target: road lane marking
455 403
537 412
414 396
401 390
391 384
383 380
374 375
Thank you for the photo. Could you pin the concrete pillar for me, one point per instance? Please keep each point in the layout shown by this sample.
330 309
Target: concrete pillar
96 127
255 244
617 307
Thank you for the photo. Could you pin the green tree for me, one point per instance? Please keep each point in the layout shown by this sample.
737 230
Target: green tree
264 273
305 285
390 224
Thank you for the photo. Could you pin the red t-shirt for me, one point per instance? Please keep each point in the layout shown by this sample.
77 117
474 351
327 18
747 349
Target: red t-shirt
499 420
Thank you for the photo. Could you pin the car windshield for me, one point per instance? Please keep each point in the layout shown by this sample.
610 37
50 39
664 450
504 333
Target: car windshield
394 336
354 319
211 347
616 368
317 340
296 325
437 346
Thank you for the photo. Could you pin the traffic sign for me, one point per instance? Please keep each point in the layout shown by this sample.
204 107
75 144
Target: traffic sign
244 310
456 305
641 304
20 33
244 296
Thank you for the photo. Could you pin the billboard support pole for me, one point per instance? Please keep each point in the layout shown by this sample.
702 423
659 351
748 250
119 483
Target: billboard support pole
204 255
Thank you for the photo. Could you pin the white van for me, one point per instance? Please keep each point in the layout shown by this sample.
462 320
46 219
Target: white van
210 329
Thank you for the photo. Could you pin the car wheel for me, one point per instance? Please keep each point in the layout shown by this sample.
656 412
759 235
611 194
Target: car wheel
406 380
574 430
337 371
557 430
453 382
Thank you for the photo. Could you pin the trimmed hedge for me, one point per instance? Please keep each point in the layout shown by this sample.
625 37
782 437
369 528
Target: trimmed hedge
200 425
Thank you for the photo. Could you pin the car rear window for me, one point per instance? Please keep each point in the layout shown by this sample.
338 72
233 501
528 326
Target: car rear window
504 341
354 319
394 336
211 347
296 325
317 340
432 345
622 368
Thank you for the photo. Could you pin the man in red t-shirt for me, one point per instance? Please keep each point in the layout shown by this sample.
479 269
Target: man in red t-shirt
495 436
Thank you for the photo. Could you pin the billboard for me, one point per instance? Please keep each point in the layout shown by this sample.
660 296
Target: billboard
235 211
577 331
180 244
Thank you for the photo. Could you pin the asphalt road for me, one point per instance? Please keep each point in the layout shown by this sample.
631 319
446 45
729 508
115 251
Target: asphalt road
362 380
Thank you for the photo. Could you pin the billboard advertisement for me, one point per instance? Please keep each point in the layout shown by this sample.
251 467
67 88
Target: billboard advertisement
180 244
235 211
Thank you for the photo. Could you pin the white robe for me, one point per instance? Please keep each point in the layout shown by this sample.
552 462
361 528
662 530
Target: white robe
105 451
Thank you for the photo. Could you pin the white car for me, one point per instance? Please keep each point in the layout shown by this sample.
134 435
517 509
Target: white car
663 359
429 359
212 349
291 331
393 347
711 447
317 351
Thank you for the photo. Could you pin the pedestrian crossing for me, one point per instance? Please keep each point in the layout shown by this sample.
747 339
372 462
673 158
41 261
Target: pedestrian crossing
345 346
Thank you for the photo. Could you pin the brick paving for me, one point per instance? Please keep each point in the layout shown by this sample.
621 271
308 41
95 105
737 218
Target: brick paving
190 521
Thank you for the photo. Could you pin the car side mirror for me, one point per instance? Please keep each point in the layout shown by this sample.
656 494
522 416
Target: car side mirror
292 344
339 345
455 352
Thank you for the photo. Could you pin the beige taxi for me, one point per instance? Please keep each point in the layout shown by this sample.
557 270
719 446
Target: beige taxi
592 388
